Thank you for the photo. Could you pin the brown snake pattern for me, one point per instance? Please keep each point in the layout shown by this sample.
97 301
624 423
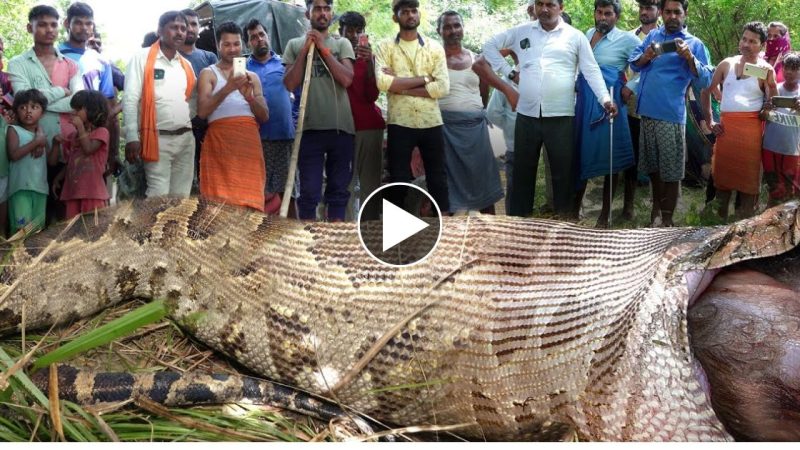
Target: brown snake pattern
518 328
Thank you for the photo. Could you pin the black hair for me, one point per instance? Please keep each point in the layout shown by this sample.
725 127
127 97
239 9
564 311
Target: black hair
39 11
95 104
656 3
169 17
684 4
252 25
758 28
352 19
149 39
791 61
566 18
228 27
79 9
311 2
448 13
780 26
612 3
189 12
397 5
29 96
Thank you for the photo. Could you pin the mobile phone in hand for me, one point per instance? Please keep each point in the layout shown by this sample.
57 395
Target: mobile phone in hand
784 102
669 47
239 66
363 40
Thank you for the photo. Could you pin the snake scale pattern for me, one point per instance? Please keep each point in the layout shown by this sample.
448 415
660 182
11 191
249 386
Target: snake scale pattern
517 328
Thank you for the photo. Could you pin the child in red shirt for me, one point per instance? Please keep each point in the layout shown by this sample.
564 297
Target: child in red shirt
86 153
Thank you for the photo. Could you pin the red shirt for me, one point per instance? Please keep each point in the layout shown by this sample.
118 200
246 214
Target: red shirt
84 178
363 93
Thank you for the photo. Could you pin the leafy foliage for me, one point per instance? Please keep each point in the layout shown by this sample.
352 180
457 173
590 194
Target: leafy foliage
13 19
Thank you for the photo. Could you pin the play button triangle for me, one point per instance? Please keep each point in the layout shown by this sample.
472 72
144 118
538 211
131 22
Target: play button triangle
398 225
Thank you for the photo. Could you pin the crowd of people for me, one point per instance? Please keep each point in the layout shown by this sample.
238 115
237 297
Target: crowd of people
599 103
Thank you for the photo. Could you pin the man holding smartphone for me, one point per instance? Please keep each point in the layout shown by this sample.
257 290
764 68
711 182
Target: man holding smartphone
369 123
664 78
230 98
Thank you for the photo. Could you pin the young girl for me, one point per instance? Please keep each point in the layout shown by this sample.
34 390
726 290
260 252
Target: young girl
27 177
85 152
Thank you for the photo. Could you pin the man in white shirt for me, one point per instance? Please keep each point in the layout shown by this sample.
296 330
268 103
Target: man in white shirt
550 53
158 127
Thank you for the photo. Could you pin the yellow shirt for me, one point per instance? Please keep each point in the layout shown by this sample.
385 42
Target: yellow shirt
428 60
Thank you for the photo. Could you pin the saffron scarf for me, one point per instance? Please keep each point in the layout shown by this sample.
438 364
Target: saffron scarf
147 120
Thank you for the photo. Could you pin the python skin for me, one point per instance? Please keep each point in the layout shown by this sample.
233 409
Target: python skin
518 328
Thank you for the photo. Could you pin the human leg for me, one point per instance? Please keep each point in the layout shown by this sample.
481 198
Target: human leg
527 148
339 172
558 142
309 169
182 168
431 149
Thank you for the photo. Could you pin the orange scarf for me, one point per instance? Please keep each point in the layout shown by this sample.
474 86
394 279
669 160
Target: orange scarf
147 120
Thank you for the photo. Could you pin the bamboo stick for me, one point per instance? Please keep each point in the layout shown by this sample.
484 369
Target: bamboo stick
298 135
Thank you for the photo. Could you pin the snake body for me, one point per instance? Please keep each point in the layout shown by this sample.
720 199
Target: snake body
513 328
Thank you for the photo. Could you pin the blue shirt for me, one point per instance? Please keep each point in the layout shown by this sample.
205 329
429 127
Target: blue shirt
663 81
280 125
614 48
200 59
95 71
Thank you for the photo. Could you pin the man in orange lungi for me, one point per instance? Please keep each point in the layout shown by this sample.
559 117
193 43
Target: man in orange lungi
231 161
736 162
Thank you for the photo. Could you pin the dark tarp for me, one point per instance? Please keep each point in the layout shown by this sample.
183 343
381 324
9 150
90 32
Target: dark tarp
282 21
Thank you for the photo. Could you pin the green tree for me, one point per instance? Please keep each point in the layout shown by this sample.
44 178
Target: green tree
13 21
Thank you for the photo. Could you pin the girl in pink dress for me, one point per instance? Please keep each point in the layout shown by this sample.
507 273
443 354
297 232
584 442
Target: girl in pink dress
83 187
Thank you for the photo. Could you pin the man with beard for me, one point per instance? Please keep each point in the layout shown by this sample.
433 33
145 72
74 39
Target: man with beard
369 123
96 72
45 68
649 12
200 59
612 47
232 165
413 71
736 160
328 124
550 53
158 128
277 133
473 178
664 78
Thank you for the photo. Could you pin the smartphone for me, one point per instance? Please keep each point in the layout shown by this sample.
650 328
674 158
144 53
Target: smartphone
239 66
753 70
669 47
363 40
784 102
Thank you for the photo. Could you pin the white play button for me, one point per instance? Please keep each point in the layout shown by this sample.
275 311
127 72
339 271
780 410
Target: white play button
406 232
398 225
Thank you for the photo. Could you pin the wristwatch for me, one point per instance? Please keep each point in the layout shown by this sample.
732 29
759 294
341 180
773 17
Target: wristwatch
512 74
427 79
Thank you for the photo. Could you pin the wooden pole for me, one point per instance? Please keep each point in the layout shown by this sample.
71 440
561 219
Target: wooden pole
298 135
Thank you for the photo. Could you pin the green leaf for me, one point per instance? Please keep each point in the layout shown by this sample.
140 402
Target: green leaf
145 315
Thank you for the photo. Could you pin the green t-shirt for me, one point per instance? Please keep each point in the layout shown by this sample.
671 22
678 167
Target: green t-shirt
327 107
3 154
28 173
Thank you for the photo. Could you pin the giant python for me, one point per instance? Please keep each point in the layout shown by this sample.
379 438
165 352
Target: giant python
517 328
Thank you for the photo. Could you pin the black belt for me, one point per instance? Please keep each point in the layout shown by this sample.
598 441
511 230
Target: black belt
177 132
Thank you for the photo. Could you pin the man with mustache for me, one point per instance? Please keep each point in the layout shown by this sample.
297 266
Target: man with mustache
737 150
664 78
550 53
46 68
649 12
412 70
158 129
277 133
328 127
612 47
